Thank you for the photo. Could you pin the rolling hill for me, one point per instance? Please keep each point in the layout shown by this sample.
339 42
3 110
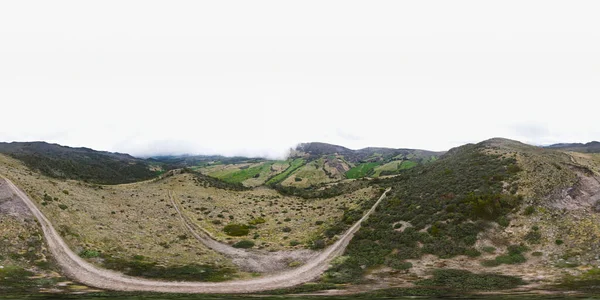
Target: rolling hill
494 215
80 163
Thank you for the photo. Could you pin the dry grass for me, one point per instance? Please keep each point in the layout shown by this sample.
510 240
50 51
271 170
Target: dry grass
138 219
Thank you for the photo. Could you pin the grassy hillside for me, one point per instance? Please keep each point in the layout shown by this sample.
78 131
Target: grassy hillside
485 207
81 163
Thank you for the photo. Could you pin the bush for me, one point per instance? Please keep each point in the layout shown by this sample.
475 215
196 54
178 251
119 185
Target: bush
533 237
236 230
488 249
294 243
537 254
65 192
529 210
257 221
286 229
62 206
89 254
465 280
244 244
559 242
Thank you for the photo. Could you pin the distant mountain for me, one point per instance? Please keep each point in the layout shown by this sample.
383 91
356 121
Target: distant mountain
592 147
365 154
80 163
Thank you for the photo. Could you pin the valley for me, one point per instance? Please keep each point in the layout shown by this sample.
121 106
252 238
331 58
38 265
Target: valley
520 217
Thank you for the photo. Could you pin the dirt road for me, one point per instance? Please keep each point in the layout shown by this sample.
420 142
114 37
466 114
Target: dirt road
78 269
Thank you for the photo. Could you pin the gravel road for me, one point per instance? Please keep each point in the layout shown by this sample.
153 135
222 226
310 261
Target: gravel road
80 270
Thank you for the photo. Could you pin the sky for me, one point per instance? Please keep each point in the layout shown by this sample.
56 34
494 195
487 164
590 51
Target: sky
257 77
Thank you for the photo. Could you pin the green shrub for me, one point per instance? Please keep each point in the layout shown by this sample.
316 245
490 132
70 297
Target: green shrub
89 253
286 229
559 242
537 254
236 229
529 210
244 244
257 221
488 249
65 192
465 280
294 243
62 206
533 237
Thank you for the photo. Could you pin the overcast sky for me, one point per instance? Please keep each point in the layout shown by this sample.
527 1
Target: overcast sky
256 77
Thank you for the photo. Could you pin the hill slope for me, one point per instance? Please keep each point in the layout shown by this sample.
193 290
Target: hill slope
80 163
591 147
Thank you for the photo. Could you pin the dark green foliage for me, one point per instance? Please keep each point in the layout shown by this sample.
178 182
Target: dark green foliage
489 249
559 242
533 237
529 210
47 198
62 206
89 253
294 243
305 288
143 268
286 229
537 253
79 163
244 244
14 279
321 190
456 196
236 229
514 256
467 281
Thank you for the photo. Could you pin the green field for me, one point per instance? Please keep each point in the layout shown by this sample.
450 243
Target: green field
394 167
294 165
362 170
244 174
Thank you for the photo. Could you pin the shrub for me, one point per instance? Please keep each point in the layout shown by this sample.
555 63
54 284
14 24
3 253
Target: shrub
236 229
89 253
257 221
529 210
65 192
244 244
488 249
294 243
319 223
537 253
559 242
217 222
62 206
286 229
533 237
465 280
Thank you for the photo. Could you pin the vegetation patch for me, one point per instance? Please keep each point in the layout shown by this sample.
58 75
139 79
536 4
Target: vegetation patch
236 229
294 165
193 272
362 170
448 202
466 281
244 244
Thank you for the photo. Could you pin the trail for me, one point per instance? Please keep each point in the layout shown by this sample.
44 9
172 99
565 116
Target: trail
79 270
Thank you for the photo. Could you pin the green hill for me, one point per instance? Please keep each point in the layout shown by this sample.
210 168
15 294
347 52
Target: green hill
81 163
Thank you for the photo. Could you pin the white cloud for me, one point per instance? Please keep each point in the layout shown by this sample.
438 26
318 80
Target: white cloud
255 78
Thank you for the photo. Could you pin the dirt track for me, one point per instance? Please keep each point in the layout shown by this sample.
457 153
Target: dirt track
78 269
